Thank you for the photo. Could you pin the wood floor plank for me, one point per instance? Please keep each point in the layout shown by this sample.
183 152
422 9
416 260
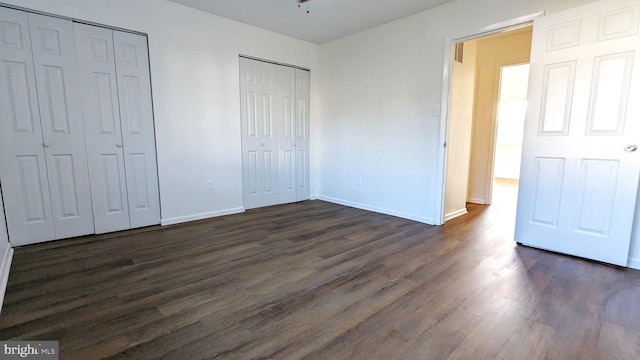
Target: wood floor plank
316 280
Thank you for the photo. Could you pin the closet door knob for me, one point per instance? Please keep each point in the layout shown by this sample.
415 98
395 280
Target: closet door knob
261 144
47 144
119 145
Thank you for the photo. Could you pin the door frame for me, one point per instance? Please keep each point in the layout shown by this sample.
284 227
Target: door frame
449 42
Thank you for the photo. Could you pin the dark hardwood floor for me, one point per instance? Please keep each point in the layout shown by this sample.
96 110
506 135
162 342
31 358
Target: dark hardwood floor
316 280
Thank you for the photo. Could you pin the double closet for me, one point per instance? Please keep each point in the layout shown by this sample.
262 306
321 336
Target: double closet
275 133
77 143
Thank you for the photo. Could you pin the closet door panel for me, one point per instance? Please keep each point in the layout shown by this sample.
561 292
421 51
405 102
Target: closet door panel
101 113
303 190
136 114
283 105
23 171
259 117
286 100
52 42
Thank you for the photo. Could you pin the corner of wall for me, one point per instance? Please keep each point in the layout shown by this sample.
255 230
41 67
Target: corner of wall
201 216
357 205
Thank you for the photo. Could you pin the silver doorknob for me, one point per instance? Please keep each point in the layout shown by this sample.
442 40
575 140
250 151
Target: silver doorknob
294 144
631 148
46 144
119 145
261 144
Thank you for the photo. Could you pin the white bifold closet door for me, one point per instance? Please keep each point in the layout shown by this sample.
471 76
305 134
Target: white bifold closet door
43 165
286 132
303 190
275 133
97 69
77 142
138 135
116 98
259 141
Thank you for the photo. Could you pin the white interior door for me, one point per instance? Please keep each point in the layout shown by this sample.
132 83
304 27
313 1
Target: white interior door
23 171
54 55
259 140
286 125
136 114
303 189
99 93
275 133
580 170
293 133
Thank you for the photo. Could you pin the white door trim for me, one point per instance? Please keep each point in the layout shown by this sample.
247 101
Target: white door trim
449 41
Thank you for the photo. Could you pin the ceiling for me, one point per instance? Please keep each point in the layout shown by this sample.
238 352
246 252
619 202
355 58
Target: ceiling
328 19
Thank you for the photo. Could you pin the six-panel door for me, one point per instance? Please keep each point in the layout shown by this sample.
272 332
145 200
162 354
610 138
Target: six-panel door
138 138
259 138
287 135
579 177
101 112
53 47
23 171
275 133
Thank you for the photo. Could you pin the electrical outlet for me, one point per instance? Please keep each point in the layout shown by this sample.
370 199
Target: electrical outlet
435 110
358 180
209 185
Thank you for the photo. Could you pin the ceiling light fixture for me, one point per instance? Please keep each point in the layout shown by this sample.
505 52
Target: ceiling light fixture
302 2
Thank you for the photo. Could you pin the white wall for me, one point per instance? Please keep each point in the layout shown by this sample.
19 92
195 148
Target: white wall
195 79
463 78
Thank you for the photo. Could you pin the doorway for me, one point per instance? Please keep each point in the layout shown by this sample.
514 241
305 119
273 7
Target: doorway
510 116
485 125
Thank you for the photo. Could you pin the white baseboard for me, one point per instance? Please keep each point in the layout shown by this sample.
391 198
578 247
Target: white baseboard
356 205
455 214
476 201
634 263
182 219
5 266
